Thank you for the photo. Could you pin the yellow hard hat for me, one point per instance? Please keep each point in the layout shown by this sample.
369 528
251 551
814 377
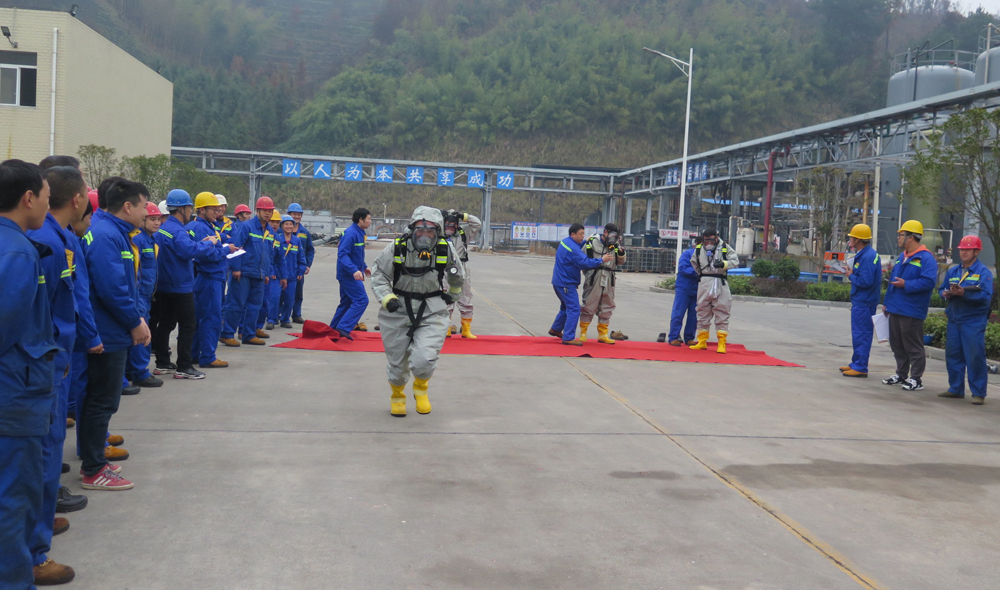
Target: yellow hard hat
913 226
205 199
861 232
275 216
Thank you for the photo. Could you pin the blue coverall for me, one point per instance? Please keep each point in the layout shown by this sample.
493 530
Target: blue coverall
866 289
570 260
685 299
209 287
87 337
305 236
138 355
27 375
246 293
59 287
293 265
270 309
965 347
353 297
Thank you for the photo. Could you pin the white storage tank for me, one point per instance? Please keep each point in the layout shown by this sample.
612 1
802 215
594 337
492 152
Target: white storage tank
744 242
922 82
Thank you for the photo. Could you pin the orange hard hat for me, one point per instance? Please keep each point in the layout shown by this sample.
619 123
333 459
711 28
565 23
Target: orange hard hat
242 209
970 243
265 203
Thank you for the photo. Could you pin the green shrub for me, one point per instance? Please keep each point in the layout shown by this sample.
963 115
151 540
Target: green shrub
936 325
828 291
741 286
667 283
779 288
762 269
787 269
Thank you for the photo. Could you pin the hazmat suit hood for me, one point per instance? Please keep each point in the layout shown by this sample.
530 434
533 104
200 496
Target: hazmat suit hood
432 214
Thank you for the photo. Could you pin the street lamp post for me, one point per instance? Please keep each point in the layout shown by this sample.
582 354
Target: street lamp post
686 69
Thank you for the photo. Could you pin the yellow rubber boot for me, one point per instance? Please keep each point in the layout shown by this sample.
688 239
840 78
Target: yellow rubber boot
582 336
449 331
398 401
702 340
467 328
420 394
602 334
722 341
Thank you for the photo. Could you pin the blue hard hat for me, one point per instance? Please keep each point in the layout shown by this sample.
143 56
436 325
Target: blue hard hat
295 208
178 198
285 218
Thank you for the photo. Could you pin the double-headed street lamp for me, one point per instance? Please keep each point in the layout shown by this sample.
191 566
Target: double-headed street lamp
685 67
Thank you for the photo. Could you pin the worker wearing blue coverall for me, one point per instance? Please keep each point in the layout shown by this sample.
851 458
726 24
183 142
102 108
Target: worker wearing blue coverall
175 288
351 273
138 356
570 260
111 256
911 284
685 300
866 290
270 308
209 282
305 236
249 276
293 267
27 366
67 204
968 288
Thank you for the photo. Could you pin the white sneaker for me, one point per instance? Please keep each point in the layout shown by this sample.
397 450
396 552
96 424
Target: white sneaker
895 379
912 384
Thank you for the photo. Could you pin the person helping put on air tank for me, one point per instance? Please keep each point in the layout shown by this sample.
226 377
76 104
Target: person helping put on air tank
599 283
712 259
456 235
409 279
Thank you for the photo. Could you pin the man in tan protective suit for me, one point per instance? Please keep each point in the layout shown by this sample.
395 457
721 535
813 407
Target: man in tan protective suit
599 283
712 259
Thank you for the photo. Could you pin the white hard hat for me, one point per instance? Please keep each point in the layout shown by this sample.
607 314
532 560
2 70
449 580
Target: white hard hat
221 199
163 208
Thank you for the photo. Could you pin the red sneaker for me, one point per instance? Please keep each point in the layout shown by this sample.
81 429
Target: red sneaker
117 468
106 479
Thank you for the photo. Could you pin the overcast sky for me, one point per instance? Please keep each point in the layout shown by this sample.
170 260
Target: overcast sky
991 6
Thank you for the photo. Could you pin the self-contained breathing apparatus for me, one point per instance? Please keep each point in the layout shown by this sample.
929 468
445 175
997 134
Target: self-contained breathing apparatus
716 257
453 226
430 248
612 244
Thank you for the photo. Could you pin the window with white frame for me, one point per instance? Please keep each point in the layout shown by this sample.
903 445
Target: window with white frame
18 78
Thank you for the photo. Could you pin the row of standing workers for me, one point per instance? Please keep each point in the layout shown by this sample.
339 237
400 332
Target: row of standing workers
97 280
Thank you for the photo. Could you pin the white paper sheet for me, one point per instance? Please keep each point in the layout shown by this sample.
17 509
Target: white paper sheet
236 253
881 322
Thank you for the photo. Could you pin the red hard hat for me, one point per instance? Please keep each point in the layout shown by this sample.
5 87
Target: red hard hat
242 209
92 195
152 209
970 243
265 203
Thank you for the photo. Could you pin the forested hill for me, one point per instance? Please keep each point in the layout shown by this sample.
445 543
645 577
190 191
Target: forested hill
515 81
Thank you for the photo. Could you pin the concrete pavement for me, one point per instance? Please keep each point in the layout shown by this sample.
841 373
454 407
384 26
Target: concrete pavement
286 470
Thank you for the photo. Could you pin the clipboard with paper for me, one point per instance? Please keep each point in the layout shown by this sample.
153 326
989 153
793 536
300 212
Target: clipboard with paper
881 322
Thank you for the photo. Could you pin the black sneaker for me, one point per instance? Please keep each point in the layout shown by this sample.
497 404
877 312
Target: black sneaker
894 380
65 467
269 326
150 382
164 369
912 384
286 324
66 501
131 390
189 373
298 320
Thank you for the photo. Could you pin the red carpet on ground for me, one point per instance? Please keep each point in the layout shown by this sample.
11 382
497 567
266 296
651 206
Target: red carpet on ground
319 336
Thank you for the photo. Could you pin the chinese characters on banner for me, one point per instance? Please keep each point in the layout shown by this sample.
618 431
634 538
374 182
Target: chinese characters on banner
355 172
545 232
696 171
